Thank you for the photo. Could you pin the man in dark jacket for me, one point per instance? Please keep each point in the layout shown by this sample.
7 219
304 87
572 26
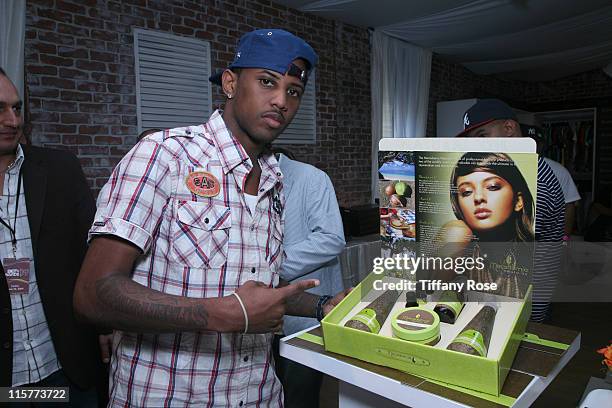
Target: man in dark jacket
46 209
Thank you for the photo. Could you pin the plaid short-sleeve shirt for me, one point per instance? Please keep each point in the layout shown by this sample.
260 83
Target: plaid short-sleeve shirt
195 246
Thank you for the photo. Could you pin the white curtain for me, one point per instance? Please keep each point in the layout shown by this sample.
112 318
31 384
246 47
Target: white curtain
12 40
400 92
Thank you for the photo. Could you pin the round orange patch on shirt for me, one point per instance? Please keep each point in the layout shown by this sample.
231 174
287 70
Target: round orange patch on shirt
203 183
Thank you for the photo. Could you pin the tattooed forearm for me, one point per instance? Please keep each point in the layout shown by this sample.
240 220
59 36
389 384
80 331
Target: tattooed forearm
127 305
302 304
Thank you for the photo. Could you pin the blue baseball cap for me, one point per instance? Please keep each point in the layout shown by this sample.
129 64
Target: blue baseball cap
272 49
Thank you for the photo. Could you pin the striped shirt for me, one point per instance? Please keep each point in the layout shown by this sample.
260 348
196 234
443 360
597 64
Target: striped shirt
34 356
200 247
550 221
313 236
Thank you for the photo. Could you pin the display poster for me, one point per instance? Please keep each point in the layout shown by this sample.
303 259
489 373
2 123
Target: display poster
469 213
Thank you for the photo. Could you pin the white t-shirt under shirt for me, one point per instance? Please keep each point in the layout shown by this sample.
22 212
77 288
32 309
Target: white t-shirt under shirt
570 192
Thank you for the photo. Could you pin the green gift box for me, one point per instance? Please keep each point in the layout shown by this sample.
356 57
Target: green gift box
478 373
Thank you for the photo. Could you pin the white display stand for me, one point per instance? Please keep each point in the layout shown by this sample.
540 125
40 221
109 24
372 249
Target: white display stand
361 388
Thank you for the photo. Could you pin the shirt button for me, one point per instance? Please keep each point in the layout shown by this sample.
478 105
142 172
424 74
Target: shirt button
238 189
240 403
205 220
6 345
245 359
253 270
261 190
252 228
278 174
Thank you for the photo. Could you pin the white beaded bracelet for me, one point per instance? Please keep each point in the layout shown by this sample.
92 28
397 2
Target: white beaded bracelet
246 316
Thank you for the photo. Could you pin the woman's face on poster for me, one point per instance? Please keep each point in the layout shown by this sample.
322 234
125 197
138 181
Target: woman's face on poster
486 200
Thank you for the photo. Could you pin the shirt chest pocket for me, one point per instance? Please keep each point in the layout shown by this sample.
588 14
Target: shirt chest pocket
201 234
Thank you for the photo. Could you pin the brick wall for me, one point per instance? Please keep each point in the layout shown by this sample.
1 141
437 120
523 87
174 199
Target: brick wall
81 82
450 81
575 90
584 90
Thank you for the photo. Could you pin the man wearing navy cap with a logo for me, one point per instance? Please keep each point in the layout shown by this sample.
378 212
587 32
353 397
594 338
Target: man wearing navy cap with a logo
494 118
186 245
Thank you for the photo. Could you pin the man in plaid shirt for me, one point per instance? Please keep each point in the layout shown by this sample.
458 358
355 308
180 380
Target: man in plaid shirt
186 245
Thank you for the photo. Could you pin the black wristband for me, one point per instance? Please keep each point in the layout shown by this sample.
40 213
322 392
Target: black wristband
322 301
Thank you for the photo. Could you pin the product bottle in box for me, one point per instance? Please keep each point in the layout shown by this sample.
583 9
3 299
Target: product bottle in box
411 299
475 337
373 316
415 298
451 302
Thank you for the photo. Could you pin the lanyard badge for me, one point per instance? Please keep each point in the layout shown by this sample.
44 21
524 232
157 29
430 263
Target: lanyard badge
17 272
